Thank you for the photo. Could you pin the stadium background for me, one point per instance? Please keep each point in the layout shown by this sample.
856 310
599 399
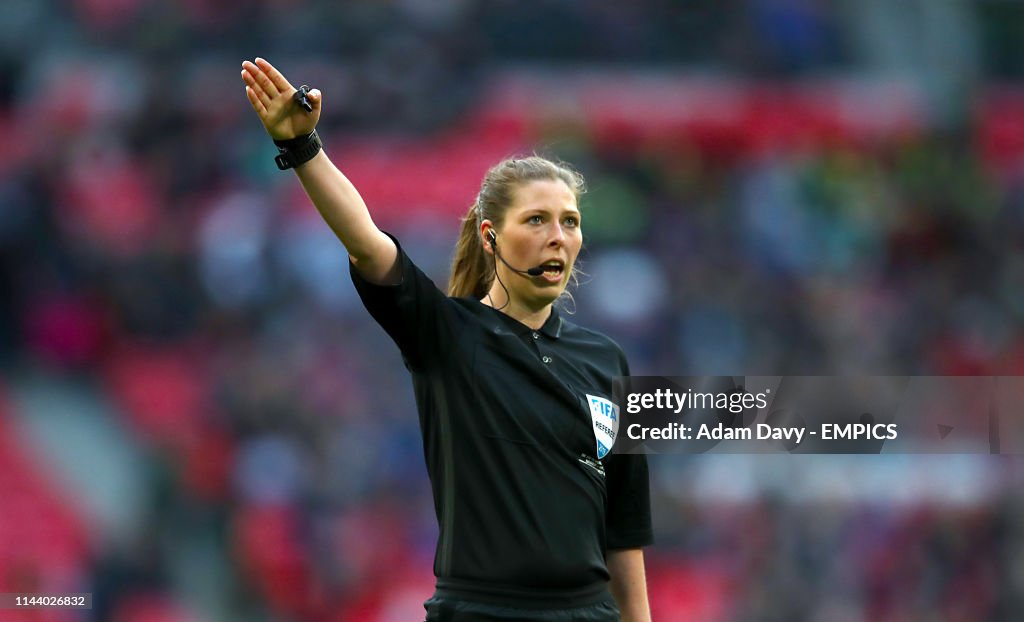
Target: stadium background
198 421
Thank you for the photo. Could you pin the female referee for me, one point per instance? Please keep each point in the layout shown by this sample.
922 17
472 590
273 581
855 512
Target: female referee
538 521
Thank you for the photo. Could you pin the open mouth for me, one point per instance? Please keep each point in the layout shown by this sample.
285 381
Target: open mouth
553 268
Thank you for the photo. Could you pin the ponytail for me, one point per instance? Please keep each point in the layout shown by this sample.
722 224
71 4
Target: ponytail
472 274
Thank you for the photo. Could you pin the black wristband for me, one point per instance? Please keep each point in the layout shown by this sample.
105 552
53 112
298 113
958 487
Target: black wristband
299 150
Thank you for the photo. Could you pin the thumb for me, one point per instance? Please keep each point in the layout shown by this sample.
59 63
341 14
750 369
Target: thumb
315 98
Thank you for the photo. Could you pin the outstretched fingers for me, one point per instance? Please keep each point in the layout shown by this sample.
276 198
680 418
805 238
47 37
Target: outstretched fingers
258 92
275 77
261 79
257 105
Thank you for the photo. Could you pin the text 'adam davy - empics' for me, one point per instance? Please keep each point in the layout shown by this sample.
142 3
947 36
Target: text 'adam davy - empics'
762 431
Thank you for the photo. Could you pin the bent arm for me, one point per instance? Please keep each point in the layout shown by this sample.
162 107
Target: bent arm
372 252
629 584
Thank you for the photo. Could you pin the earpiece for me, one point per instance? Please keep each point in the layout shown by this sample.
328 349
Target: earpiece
493 236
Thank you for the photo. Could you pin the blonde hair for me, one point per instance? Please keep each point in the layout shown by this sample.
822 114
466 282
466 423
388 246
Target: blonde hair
472 270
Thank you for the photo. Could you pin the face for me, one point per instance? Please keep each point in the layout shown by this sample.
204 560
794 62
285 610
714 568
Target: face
542 226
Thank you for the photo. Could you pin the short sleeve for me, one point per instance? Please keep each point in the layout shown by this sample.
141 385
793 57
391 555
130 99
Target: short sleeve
629 502
413 312
629 496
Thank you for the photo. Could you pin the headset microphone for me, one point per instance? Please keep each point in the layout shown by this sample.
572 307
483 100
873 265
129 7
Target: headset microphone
534 271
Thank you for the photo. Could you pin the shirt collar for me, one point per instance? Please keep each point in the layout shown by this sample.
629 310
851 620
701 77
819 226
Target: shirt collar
552 327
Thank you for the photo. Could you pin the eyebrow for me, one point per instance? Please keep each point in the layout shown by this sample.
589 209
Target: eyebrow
548 210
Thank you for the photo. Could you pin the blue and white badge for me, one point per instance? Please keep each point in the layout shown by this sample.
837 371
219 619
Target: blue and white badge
605 416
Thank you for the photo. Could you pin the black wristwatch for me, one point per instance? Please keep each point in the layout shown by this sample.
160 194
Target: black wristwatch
298 150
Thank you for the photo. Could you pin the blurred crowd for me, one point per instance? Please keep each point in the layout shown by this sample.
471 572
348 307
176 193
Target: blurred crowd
149 248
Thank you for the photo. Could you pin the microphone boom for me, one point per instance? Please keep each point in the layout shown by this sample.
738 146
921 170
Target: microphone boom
534 271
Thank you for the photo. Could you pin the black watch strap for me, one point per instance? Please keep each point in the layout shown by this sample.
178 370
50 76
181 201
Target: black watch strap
296 151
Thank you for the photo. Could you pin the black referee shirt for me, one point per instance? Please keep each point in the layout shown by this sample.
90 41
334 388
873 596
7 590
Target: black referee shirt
525 508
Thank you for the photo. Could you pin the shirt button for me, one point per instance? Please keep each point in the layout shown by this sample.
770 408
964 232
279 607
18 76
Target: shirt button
536 335
546 359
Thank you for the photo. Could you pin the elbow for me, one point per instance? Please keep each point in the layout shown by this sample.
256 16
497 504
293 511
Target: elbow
376 271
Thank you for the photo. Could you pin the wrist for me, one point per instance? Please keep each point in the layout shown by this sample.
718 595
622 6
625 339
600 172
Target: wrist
293 152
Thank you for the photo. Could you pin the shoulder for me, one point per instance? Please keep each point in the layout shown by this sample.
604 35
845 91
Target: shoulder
596 342
576 332
469 307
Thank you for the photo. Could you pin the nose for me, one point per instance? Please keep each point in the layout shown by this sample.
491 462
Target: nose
557 235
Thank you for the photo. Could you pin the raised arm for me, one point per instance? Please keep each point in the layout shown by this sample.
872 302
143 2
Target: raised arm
372 252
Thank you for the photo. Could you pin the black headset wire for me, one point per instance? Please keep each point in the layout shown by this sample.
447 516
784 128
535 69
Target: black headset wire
508 298
494 257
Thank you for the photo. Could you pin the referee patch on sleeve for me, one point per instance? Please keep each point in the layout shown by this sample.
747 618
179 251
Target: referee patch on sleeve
605 416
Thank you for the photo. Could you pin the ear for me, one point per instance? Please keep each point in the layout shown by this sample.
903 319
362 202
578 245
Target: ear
487 235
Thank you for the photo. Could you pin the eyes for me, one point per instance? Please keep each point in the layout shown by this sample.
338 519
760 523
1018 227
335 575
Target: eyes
569 221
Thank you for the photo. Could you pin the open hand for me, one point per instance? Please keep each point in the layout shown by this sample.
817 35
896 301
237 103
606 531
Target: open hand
271 97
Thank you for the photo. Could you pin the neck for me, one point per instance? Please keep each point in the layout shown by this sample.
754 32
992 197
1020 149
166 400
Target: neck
532 316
